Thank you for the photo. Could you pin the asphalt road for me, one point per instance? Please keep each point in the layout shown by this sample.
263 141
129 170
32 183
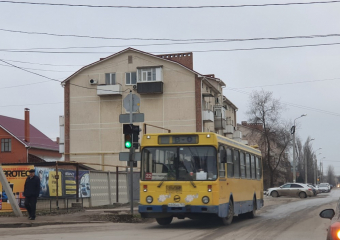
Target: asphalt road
281 218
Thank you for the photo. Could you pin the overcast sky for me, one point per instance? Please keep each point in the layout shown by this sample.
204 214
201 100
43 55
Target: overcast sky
238 69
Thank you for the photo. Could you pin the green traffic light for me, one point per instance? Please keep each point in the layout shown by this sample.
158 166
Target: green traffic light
128 144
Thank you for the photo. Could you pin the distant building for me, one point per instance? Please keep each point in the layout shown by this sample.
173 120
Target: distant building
172 96
23 143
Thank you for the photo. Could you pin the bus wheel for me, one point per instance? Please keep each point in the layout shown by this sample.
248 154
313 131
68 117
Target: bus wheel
228 219
253 213
164 221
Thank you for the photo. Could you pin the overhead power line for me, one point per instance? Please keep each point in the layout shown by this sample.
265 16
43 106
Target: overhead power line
47 64
169 7
174 39
177 52
296 105
53 79
45 70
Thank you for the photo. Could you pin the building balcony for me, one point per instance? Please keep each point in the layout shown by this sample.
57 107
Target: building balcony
109 90
229 129
207 92
208 116
149 87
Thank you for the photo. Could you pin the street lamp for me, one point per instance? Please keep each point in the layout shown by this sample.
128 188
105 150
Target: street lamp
316 166
294 153
306 161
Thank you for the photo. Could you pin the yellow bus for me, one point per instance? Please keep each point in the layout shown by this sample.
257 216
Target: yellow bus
198 175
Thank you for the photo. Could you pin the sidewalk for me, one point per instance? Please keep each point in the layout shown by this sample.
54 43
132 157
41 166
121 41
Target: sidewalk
83 216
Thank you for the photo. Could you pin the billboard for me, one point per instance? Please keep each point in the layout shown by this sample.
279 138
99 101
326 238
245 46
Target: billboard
16 177
48 183
67 186
70 187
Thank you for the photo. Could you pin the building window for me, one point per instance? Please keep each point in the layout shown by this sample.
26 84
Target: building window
130 78
149 74
6 145
216 101
110 78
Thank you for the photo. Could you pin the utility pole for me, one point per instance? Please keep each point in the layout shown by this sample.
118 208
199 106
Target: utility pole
294 153
306 160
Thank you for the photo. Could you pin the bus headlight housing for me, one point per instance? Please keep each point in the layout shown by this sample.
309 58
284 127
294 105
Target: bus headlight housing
205 200
149 199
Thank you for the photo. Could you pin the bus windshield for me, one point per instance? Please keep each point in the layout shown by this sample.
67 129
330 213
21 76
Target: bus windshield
179 163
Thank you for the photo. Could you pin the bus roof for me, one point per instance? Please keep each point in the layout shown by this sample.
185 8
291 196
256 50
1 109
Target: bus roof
218 139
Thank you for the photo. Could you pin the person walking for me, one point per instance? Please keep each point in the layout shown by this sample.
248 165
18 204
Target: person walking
31 193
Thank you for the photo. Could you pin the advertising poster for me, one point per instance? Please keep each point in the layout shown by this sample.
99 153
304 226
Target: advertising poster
16 177
48 183
70 187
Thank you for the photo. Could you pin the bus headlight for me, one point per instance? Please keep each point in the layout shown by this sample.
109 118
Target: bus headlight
149 199
205 200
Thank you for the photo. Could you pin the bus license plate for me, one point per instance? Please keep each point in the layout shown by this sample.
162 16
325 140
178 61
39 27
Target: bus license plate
174 189
176 205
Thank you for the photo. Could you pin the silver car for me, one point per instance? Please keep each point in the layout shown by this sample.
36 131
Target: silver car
291 189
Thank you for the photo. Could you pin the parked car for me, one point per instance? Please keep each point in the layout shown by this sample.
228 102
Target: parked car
324 187
313 189
291 189
334 227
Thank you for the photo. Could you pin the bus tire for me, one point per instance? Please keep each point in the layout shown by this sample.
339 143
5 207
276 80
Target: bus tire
253 212
228 219
275 194
164 221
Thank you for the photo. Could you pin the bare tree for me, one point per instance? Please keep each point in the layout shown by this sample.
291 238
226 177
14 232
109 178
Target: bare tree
330 175
275 138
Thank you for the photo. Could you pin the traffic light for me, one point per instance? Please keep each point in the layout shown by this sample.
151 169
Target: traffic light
135 136
127 131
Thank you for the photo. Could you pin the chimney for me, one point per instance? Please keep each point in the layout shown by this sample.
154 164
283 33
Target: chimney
57 141
185 59
27 124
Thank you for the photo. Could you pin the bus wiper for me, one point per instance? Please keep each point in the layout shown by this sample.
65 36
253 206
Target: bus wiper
192 183
160 184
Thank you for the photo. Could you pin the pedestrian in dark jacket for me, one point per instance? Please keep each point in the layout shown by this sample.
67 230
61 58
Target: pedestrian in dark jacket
31 192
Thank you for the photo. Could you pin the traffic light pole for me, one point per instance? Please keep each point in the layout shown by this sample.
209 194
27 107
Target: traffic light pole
131 158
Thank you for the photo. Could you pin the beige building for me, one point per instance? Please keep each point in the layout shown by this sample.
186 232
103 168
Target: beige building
172 96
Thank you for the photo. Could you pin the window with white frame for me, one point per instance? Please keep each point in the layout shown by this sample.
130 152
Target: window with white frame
110 78
130 78
151 74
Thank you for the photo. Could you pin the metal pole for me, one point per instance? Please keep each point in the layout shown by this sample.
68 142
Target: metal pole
57 181
305 169
109 186
131 159
77 182
294 156
117 185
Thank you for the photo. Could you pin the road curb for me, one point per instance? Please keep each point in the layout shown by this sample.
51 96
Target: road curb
39 224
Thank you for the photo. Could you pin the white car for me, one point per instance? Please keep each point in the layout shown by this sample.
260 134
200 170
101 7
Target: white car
291 189
324 187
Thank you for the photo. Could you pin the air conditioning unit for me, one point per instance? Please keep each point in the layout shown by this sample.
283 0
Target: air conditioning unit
134 87
93 82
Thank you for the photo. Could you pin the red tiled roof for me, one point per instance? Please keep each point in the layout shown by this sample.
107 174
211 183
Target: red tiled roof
16 127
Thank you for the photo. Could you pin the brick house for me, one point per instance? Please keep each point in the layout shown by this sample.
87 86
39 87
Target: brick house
172 96
23 143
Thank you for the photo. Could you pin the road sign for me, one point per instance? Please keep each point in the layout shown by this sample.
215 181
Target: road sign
136 117
124 156
135 103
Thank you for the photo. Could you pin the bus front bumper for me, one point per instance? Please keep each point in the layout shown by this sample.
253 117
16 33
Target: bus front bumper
157 210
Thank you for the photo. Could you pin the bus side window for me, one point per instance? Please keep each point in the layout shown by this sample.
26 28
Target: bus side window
258 168
236 164
222 161
248 174
242 165
230 164
252 162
